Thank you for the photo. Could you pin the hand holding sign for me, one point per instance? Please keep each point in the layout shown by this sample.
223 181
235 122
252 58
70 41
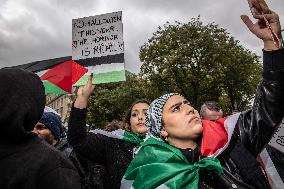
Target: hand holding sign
267 27
83 94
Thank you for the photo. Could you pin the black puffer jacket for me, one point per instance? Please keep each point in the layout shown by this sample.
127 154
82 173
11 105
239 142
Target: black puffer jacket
26 161
114 154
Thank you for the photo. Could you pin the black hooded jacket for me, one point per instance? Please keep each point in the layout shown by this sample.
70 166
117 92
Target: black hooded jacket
26 161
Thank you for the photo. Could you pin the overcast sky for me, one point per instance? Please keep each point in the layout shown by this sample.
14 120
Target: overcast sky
32 30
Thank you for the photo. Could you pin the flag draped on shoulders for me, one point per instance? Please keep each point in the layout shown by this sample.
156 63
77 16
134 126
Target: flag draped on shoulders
160 165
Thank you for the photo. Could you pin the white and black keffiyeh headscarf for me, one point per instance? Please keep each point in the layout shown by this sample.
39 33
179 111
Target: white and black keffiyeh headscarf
154 114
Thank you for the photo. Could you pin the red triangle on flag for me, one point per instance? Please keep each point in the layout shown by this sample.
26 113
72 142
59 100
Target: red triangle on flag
65 75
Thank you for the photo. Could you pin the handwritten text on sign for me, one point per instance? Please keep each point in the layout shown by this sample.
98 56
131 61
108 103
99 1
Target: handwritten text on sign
97 36
277 140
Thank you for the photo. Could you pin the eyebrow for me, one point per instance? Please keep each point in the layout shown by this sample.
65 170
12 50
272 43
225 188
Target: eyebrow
138 110
180 103
41 125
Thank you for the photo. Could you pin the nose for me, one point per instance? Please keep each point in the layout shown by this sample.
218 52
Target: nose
140 116
189 109
35 131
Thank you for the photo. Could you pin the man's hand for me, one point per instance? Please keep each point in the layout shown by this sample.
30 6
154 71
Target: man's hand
83 94
260 10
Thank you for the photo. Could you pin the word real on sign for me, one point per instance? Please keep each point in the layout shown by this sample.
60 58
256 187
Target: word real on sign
277 141
97 43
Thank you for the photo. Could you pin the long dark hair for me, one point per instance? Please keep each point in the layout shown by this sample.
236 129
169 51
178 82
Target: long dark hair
127 116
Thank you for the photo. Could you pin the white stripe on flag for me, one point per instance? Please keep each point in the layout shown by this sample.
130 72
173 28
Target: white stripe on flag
114 134
126 184
104 68
273 176
40 73
229 125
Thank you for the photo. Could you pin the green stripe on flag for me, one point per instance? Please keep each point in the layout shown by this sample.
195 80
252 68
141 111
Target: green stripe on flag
158 164
52 89
107 77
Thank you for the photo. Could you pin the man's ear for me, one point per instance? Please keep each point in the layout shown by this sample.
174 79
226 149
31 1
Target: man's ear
164 133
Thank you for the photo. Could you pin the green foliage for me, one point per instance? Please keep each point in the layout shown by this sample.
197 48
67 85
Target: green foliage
202 62
111 101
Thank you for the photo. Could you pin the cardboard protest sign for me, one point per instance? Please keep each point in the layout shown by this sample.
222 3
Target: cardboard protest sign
97 44
277 140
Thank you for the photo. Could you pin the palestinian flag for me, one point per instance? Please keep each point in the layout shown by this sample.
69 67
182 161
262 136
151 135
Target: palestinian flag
160 165
217 135
106 69
61 78
58 74
103 70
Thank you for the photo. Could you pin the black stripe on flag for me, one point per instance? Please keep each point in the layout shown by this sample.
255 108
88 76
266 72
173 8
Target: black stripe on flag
118 58
50 63
43 64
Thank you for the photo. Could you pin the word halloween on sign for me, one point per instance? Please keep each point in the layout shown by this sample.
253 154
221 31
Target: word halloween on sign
97 44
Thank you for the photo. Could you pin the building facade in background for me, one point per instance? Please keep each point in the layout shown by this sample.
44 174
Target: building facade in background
61 104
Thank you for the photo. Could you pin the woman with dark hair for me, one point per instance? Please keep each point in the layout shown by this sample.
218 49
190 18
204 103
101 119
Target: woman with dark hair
184 152
113 150
129 125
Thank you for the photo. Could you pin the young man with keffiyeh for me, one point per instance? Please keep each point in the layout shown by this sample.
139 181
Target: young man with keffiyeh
184 152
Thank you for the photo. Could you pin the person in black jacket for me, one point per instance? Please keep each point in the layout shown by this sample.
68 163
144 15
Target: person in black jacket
225 155
114 154
26 161
49 128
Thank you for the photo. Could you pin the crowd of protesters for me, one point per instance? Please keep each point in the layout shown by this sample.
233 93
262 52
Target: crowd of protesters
163 144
